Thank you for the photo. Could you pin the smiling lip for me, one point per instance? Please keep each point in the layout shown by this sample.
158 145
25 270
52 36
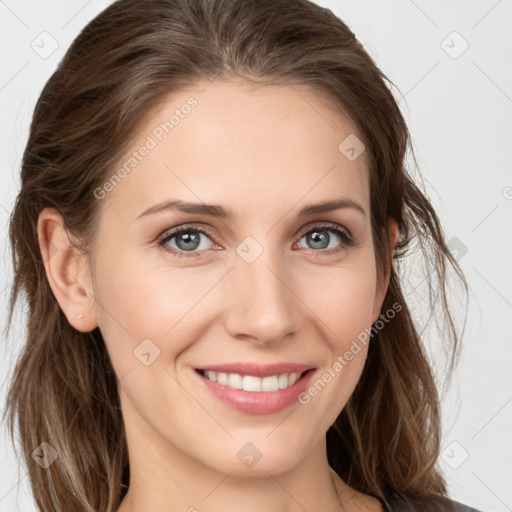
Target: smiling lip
257 402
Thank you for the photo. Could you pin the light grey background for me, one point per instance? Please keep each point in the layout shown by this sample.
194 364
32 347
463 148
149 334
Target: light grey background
458 103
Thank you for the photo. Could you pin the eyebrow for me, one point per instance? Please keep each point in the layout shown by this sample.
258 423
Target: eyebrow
218 211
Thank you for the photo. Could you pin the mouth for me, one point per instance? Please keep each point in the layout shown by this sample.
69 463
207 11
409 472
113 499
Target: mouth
254 389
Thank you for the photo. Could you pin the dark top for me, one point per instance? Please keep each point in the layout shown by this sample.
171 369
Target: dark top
398 505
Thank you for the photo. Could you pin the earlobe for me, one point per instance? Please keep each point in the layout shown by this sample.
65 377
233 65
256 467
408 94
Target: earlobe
67 271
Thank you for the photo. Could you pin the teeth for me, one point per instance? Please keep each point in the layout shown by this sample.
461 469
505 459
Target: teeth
235 381
283 381
252 383
270 383
212 376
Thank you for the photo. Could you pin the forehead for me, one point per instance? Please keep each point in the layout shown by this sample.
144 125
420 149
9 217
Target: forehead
231 142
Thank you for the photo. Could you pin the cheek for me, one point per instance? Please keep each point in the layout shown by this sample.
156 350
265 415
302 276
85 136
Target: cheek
344 304
147 320
343 299
139 302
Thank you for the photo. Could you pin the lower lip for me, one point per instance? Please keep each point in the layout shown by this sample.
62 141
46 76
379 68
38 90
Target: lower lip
258 402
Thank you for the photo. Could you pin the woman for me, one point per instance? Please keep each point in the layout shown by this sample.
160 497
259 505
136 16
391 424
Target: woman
213 215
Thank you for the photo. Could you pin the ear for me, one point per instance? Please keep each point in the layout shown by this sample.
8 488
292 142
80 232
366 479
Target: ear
67 271
382 285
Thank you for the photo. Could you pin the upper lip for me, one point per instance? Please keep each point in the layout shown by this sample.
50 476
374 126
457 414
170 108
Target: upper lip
257 370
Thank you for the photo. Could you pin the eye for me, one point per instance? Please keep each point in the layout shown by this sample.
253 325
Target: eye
189 241
185 239
327 236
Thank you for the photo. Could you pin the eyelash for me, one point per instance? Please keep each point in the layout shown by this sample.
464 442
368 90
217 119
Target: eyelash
346 237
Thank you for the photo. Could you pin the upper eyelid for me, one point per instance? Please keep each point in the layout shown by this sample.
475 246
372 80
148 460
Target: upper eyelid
171 232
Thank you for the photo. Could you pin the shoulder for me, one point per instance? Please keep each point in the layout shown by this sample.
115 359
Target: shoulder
459 507
444 505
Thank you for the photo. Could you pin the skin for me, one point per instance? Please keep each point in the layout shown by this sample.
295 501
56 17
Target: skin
265 153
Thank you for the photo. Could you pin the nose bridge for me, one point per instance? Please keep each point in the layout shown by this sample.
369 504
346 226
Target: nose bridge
263 305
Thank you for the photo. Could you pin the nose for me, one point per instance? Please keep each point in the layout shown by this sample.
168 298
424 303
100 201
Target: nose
262 305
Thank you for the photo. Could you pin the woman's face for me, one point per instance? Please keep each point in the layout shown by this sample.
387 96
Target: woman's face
265 289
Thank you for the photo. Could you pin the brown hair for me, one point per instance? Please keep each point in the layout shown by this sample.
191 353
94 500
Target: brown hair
386 440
